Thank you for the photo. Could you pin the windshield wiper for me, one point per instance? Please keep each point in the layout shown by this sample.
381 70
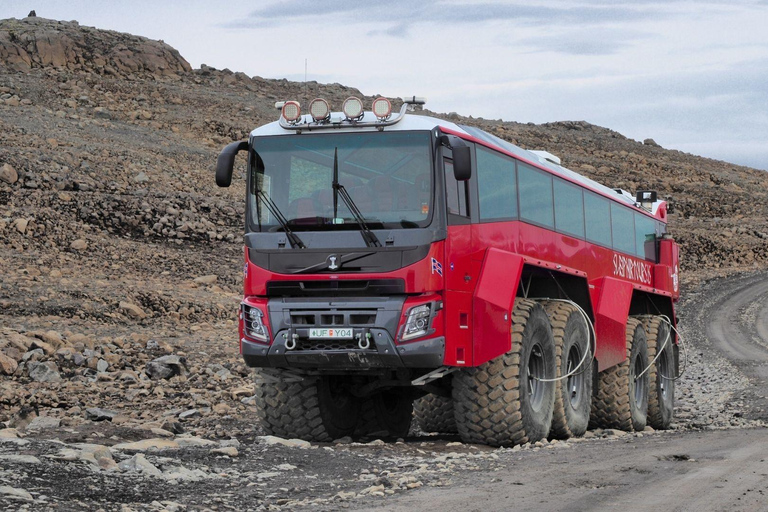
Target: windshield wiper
293 238
339 191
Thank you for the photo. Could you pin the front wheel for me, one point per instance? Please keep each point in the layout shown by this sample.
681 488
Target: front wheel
312 408
509 400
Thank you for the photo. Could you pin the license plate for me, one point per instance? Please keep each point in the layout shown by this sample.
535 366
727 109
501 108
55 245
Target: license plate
331 333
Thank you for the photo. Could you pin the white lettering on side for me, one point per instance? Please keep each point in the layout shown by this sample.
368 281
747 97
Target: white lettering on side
629 268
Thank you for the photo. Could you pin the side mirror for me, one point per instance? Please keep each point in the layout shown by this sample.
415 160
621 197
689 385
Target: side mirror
462 163
226 162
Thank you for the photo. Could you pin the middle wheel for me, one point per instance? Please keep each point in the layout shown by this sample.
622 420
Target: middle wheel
573 394
509 400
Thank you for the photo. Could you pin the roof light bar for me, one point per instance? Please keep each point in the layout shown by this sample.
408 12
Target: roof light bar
352 108
382 108
291 111
319 109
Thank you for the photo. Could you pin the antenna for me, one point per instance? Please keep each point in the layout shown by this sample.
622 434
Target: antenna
306 96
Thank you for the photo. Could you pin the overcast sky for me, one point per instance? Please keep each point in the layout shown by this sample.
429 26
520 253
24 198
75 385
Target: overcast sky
692 75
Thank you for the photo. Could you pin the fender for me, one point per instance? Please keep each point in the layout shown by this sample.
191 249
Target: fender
612 298
492 304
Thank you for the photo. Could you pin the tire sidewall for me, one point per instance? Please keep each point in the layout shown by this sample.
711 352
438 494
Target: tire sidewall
666 377
576 334
638 410
537 420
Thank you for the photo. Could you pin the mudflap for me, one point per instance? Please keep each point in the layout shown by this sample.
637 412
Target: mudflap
492 304
613 298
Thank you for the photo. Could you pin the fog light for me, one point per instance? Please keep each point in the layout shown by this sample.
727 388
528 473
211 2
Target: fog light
352 108
291 111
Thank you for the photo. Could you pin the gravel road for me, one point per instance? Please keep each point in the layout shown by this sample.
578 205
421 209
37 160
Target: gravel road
714 458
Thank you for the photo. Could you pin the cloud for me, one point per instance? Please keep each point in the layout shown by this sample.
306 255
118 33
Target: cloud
441 12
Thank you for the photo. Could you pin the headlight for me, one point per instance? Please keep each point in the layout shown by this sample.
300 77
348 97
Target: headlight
253 323
418 322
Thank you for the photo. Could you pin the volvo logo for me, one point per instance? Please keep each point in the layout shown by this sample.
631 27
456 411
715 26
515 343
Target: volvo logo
332 259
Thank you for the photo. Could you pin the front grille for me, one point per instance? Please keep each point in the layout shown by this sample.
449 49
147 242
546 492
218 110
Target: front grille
336 288
356 318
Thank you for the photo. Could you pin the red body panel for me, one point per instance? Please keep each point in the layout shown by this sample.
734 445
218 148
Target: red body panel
419 277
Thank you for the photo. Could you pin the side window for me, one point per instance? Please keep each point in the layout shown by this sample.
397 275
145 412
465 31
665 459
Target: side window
598 216
645 237
535 188
455 191
569 208
623 224
496 185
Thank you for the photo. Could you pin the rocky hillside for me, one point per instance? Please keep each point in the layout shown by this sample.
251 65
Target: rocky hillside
120 256
40 43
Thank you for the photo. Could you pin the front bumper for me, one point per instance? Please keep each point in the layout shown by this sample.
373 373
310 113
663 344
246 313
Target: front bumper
383 353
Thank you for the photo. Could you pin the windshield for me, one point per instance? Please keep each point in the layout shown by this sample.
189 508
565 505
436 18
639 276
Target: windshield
387 175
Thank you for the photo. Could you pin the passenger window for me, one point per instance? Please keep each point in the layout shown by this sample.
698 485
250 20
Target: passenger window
535 189
569 208
455 191
623 223
496 185
598 217
645 237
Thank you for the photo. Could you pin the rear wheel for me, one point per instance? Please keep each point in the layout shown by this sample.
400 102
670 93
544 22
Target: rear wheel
313 409
434 413
661 399
574 393
622 398
505 401
386 414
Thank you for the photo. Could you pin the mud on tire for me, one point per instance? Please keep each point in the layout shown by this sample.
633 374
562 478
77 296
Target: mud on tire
313 409
434 413
621 401
661 397
572 395
496 403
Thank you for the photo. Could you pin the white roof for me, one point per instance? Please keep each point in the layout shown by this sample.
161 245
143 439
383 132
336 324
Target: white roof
411 122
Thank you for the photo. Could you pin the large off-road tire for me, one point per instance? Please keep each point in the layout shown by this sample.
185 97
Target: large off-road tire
661 399
313 409
622 400
387 414
573 394
434 414
503 402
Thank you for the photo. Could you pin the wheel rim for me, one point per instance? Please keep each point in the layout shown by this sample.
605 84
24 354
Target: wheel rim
639 388
575 382
536 372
